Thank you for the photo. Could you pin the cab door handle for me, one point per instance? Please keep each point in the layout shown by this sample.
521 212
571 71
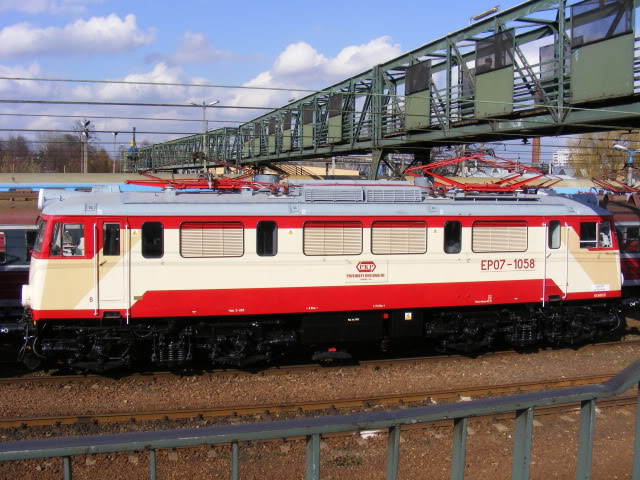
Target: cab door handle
102 263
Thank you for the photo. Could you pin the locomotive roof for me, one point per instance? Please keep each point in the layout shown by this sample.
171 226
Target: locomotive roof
354 198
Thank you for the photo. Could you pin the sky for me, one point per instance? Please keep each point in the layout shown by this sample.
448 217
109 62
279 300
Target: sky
283 44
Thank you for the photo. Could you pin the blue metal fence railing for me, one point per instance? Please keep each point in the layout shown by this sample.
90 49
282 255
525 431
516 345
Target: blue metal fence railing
523 405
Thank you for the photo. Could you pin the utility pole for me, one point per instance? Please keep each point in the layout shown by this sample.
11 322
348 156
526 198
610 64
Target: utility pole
115 152
205 128
85 144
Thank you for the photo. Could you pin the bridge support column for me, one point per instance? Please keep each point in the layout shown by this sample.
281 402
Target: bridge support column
377 156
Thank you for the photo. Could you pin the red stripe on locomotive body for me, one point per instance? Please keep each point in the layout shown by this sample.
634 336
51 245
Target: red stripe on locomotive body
306 300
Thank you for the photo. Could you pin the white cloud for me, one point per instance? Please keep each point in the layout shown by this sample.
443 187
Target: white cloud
194 48
48 6
298 66
110 34
302 66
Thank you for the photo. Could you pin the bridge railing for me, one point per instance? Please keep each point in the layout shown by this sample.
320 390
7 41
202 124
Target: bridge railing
523 406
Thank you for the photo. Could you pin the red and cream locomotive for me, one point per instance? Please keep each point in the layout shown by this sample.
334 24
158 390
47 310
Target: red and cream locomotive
240 274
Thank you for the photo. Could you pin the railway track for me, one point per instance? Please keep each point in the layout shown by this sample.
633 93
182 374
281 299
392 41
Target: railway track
265 411
284 369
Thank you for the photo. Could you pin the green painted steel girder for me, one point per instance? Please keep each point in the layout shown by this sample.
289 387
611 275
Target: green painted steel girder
375 113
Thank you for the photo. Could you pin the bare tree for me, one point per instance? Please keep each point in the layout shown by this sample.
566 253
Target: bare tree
592 154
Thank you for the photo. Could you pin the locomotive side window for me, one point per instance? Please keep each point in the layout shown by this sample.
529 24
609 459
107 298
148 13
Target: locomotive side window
588 234
506 236
67 240
452 237
211 239
554 234
332 238
3 247
389 238
152 240
111 239
267 239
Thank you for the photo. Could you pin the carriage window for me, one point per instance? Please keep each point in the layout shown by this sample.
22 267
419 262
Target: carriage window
267 239
152 241
630 239
452 237
111 239
588 235
3 248
30 240
554 234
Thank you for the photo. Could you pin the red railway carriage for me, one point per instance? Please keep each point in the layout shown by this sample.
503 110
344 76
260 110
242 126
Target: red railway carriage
625 209
241 275
18 214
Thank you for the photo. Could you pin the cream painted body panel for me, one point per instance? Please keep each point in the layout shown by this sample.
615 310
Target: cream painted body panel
70 284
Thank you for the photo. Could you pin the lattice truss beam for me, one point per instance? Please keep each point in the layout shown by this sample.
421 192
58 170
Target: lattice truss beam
541 68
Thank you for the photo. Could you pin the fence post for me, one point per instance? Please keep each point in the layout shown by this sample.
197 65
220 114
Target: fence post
152 465
459 448
235 461
393 452
635 473
68 470
313 457
585 443
522 444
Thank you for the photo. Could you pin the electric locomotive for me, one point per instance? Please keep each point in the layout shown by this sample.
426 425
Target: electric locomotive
241 274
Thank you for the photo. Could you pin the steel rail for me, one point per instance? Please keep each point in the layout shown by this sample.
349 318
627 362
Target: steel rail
433 397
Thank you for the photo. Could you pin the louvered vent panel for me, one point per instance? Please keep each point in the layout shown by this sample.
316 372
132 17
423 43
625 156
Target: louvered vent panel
332 238
398 238
499 237
191 243
334 195
393 195
211 239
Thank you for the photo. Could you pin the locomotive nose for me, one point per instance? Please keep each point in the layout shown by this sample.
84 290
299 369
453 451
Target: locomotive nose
26 296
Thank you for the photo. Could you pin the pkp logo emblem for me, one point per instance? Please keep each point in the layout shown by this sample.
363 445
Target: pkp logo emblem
367 266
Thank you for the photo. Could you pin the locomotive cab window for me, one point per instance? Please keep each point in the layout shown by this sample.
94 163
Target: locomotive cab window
595 234
67 240
588 234
267 239
554 234
3 247
111 239
42 228
452 237
152 240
